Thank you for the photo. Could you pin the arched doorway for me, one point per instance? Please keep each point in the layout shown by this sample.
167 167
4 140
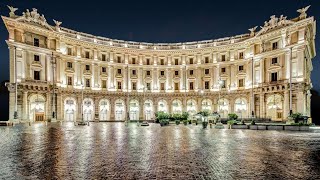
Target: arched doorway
148 109
241 107
275 107
162 106
176 107
223 107
37 107
104 110
191 107
70 109
120 113
88 109
134 110
206 105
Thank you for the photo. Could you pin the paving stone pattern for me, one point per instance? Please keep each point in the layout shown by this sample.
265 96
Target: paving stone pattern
116 151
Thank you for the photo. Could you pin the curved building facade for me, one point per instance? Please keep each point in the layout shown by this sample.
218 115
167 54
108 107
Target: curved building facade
61 74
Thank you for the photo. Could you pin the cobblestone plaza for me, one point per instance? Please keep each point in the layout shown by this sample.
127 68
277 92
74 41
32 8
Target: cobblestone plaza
117 151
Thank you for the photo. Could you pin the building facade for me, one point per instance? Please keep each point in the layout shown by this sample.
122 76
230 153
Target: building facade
61 74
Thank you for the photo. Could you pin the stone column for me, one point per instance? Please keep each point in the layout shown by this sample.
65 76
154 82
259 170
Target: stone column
79 103
112 109
262 105
25 106
60 108
286 104
48 107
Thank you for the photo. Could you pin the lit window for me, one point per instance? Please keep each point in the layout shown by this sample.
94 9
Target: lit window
87 54
134 86
162 86
119 85
69 51
191 85
176 86
104 83
69 80
241 83
148 86
87 82
241 55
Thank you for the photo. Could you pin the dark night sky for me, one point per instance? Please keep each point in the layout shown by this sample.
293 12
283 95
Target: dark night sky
160 21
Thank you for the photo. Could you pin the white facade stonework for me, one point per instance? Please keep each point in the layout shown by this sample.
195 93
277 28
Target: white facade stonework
78 75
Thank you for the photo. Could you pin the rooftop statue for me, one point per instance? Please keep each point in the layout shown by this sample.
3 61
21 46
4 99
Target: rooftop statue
12 11
303 11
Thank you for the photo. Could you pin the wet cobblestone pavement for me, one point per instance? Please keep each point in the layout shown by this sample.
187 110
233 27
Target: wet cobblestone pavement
116 151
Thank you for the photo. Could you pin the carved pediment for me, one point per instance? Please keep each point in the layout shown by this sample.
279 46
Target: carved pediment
34 18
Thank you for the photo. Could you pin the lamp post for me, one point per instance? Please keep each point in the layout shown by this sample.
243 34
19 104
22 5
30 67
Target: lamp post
128 116
82 86
252 95
290 82
15 114
53 62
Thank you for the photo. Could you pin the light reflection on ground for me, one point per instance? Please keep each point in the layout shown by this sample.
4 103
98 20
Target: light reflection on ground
116 151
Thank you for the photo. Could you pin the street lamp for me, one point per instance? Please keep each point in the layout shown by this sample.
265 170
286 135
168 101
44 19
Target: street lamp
53 62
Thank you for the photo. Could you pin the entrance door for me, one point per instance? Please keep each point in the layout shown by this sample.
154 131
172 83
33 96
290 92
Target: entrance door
133 115
39 117
87 116
69 115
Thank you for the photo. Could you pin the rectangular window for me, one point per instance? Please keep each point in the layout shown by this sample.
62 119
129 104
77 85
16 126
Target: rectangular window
104 83
176 86
274 60
223 70
119 85
36 42
241 55
87 82
240 68
206 60
103 69
148 61
191 85
69 65
134 72
223 58
36 58
69 51
119 71
206 71
103 57
162 73
223 84
148 73
279 115
148 86
87 67
274 45
206 85
176 62
36 75
134 86
176 73
87 53
241 83
191 72
118 59
162 61
274 77
162 86
69 80
191 60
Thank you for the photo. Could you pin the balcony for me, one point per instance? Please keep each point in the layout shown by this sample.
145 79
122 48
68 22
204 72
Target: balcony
36 64
242 73
118 75
133 76
69 70
87 72
104 74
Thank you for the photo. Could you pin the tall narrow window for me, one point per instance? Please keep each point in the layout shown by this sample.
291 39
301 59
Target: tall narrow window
119 85
191 72
118 59
36 58
148 61
87 54
103 57
206 60
133 60
87 82
36 42
148 86
191 60
223 58
69 80
134 72
104 83
223 84
103 69
206 84
36 75
69 51
176 62
162 86
176 86
162 61
274 76
241 55
134 86
241 84
191 85
274 45
176 73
